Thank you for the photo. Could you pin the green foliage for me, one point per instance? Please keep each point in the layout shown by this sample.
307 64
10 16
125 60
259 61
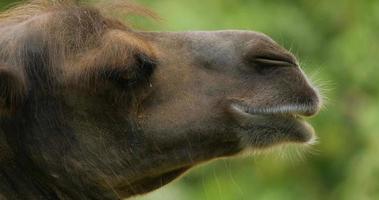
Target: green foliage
337 44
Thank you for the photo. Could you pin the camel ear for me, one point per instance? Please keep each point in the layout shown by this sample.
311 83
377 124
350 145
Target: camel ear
12 89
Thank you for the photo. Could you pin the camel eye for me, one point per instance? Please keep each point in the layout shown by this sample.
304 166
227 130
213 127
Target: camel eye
145 65
138 73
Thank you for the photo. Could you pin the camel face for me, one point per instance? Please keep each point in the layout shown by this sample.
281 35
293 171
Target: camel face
215 94
94 109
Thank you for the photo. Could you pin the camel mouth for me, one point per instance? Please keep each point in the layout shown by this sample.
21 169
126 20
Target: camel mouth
296 110
276 124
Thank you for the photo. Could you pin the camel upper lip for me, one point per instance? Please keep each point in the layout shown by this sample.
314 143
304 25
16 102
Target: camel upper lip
293 110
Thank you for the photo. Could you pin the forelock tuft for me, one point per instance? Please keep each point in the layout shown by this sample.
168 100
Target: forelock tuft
24 10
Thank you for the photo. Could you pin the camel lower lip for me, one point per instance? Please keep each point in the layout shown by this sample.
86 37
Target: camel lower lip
260 112
248 113
293 124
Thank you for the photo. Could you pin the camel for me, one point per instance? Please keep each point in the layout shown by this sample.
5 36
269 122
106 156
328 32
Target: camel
93 109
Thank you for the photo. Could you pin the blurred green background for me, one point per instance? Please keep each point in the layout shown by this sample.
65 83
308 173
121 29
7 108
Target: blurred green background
338 45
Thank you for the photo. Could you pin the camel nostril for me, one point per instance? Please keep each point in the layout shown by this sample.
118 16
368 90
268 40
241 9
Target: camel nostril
267 62
274 61
266 65
267 53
